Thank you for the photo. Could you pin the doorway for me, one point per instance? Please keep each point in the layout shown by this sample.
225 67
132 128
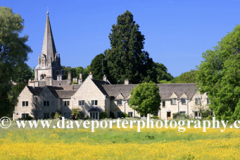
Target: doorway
168 115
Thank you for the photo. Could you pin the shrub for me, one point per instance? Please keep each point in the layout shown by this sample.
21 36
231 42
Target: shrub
74 82
155 117
76 114
103 115
112 115
57 115
209 117
175 115
125 115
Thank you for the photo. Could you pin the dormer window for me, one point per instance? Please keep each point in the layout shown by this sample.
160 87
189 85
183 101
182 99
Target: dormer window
183 100
119 102
173 101
197 101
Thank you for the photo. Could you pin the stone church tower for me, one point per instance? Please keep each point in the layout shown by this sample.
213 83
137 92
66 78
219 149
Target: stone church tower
49 65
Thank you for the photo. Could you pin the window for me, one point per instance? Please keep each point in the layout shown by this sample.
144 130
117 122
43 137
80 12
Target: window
197 100
128 101
24 103
81 102
208 102
66 103
46 115
24 115
119 102
130 114
183 100
94 102
45 103
173 101
197 114
163 103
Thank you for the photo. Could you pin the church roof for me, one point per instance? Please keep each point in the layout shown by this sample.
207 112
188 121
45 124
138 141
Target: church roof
48 47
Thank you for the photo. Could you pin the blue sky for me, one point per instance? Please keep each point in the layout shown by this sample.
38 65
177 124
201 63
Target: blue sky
177 32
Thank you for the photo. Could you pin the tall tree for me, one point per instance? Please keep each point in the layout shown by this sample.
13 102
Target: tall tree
126 58
219 76
145 98
22 72
98 66
13 51
161 71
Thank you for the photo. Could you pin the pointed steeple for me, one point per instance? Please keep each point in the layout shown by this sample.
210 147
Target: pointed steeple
48 47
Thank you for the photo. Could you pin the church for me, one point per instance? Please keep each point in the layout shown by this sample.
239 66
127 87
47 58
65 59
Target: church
49 93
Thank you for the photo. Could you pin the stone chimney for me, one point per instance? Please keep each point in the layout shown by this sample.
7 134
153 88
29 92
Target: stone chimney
49 81
91 75
69 78
80 78
126 82
104 78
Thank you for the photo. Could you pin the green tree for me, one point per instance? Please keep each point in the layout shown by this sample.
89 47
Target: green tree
17 89
22 72
186 77
13 51
126 59
145 98
98 66
161 71
219 76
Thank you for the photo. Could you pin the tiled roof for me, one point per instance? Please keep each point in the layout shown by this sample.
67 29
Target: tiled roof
114 90
65 94
35 90
100 84
54 90
165 90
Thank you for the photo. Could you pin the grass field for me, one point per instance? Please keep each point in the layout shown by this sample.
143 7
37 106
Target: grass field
118 144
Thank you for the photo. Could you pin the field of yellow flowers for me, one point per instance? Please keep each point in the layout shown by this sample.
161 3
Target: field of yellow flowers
119 144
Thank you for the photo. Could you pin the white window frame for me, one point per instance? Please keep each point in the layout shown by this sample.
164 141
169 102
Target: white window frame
25 103
81 103
119 102
173 101
198 101
94 102
25 115
66 103
130 114
185 101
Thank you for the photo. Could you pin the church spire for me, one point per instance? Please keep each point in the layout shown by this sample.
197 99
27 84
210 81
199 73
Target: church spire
48 47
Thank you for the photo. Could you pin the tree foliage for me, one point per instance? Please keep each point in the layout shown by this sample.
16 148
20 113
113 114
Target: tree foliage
13 51
145 98
126 58
219 76
186 77
98 66
76 71
22 72
161 71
